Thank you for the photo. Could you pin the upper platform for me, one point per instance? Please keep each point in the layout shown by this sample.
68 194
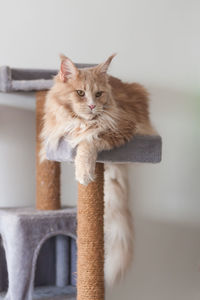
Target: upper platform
142 148
13 80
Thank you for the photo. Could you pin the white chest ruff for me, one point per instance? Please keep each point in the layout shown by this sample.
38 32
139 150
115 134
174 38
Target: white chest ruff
77 131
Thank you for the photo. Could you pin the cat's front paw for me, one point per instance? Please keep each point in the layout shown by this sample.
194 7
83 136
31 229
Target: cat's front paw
85 175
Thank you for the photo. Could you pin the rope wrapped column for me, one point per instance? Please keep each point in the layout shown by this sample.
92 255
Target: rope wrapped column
90 266
47 172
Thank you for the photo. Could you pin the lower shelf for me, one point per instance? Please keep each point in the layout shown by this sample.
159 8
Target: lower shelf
52 293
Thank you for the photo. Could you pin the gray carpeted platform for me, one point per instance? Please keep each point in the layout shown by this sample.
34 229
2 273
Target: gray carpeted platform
146 149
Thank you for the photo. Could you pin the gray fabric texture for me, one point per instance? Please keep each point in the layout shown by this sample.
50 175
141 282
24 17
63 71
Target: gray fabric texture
146 149
73 269
62 260
55 293
12 80
23 232
51 293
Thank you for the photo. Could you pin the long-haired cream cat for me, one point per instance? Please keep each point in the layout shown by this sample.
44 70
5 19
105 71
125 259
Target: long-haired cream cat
95 112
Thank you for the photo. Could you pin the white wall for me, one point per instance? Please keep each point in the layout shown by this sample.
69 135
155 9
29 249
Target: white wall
158 45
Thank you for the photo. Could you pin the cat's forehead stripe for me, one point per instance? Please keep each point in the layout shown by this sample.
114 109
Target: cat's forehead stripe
87 87
89 83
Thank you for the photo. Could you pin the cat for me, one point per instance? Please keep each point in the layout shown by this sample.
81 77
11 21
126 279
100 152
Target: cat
95 112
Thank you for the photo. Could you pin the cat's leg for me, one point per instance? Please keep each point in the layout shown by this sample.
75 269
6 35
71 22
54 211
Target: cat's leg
86 157
85 162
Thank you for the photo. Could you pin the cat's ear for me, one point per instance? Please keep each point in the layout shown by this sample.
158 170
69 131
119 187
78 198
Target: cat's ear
67 69
103 68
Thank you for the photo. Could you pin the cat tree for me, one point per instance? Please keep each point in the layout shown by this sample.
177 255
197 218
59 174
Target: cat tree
90 241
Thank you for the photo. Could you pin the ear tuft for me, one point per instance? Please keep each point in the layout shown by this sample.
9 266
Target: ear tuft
103 67
67 69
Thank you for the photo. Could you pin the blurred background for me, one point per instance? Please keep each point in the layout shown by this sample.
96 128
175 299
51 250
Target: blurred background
158 45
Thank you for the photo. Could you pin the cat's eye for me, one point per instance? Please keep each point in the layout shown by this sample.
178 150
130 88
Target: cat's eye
99 94
80 93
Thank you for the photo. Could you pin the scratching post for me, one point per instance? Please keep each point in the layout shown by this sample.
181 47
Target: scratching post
47 172
90 267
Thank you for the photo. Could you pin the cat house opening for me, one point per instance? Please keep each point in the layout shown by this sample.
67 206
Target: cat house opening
56 262
3 269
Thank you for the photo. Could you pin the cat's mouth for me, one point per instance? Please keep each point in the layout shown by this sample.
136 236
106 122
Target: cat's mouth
91 116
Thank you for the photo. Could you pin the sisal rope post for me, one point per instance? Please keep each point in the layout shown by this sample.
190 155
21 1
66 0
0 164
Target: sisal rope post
90 265
47 172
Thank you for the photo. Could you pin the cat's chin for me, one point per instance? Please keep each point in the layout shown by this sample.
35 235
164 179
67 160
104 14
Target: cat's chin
89 117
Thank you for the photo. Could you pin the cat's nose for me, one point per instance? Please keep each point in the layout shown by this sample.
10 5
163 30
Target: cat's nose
92 106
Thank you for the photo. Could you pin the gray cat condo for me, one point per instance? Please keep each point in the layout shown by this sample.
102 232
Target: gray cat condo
38 253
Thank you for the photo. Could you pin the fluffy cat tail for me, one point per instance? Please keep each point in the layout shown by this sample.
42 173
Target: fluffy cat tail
118 227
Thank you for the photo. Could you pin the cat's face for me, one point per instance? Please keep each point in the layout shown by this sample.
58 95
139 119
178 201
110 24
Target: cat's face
88 89
89 94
